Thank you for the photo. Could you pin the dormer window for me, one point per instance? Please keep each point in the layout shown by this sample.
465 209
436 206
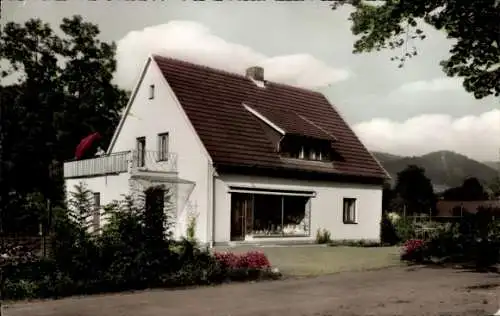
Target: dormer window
305 148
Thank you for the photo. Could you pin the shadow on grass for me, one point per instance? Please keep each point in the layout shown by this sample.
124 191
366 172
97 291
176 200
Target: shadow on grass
467 267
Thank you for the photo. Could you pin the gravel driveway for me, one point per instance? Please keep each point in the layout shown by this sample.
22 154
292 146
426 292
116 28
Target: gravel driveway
392 291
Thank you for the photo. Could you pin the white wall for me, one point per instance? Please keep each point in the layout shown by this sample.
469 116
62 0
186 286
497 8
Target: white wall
111 187
162 114
326 207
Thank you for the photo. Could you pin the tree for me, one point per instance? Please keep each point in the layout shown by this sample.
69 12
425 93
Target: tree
495 187
63 93
387 196
470 190
473 190
415 189
475 55
81 206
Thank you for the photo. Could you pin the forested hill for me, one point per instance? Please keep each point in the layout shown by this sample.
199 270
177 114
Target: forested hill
444 168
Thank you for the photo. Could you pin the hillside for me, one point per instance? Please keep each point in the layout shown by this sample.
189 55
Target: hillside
444 168
492 164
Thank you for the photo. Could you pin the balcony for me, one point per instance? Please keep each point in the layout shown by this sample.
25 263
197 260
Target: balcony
116 163
152 161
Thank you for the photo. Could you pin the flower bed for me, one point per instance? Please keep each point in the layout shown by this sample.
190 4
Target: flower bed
251 265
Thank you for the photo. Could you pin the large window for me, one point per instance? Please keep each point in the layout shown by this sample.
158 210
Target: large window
269 215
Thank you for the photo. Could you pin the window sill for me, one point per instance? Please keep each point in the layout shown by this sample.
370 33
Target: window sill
350 223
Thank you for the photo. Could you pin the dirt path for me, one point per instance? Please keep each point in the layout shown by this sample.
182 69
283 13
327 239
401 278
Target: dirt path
394 291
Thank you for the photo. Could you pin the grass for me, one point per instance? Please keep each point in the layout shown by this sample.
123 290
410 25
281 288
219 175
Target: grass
319 260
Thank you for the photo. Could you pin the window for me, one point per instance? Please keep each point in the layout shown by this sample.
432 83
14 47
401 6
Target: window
312 154
308 149
96 216
152 92
269 215
349 211
163 147
301 152
141 151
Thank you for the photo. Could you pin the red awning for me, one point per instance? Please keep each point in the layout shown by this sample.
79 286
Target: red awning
85 144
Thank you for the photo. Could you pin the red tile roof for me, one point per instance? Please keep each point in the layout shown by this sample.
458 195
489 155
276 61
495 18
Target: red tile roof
213 101
293 123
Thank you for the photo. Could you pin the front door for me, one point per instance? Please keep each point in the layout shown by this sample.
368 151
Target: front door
241 215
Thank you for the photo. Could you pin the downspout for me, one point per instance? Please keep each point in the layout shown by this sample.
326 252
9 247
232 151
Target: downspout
212 241
210 206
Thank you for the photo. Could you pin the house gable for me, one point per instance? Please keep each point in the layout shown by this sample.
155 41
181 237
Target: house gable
152 115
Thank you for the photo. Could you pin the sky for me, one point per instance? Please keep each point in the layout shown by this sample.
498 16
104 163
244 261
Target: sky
408 111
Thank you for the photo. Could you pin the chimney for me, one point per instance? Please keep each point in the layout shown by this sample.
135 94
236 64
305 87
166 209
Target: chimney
255 73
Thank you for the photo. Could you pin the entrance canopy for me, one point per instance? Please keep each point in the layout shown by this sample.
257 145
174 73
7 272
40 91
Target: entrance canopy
234 189
181 188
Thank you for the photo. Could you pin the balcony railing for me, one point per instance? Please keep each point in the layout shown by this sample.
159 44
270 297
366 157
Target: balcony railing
120 162
103 165
153 161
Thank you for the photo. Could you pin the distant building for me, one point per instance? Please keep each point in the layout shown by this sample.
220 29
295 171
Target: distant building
451 208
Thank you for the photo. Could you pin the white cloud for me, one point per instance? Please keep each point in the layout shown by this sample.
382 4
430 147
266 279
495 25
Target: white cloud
475 136
437 84
191 41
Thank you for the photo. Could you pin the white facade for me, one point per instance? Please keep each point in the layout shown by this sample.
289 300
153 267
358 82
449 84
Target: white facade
326 206
210 199
145 117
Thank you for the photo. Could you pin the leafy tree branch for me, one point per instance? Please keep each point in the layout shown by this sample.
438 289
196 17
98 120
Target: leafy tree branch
474 25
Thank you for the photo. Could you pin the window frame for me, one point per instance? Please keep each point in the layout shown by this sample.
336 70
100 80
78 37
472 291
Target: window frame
141 152
151 91
163 156
346 216
96 215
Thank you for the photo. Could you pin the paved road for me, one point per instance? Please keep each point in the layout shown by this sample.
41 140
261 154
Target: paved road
394 291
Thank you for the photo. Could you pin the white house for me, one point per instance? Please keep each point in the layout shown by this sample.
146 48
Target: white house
254 160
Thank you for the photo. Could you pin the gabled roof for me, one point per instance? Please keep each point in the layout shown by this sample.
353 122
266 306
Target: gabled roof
214 101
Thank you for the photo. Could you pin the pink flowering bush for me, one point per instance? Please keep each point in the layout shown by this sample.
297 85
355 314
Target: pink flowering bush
413 250
254 260
252 265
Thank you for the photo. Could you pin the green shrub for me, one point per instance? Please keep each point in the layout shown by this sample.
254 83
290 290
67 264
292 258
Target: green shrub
57 285
135 250
20 289
323 236
388 233
191 228
473 240
405 229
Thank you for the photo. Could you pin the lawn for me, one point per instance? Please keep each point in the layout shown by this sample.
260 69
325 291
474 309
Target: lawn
317 260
